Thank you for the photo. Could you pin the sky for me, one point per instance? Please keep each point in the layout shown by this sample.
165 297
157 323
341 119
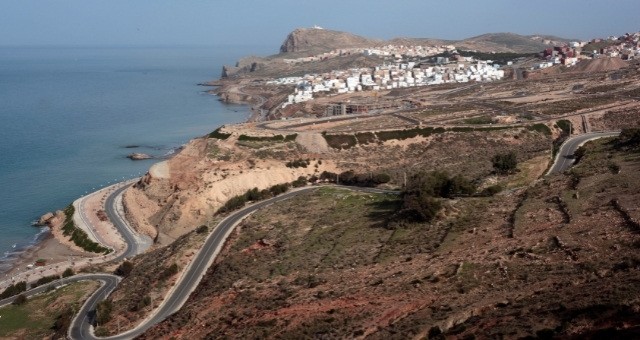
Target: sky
267 23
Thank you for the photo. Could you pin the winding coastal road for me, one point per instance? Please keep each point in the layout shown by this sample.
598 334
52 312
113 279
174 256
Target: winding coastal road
564 158
82 324
81 327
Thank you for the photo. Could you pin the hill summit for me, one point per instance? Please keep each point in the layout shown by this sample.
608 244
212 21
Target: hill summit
316 40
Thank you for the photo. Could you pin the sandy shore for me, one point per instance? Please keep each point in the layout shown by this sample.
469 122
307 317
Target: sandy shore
48 249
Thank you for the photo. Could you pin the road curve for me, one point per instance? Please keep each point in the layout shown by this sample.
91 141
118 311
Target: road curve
106 279
564 158
187 283
129 239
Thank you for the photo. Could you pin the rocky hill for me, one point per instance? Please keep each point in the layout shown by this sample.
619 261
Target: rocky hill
304 42
314 40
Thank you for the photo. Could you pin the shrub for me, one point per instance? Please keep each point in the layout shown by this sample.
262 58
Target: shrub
202 229
14 289
629 137
365 137
68 272
20 300
420 208
103 311
79 236
169 272
300 182
279 189
232 204
542 128
328 176
124 269
45 280
479 120
298 163
276 138
381 178
505 163
491 190
219 135
579 154
340 141
564 125
420 198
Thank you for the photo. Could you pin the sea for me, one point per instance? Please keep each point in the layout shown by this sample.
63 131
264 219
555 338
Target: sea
69 116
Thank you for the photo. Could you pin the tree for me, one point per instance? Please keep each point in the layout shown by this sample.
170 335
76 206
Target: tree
579 154
124 269
505 163
103 311
68 272
20 300
421 208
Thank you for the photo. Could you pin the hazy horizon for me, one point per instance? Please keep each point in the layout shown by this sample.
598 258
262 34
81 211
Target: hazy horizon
147 23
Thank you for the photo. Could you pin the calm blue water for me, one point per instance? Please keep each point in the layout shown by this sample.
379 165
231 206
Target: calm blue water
66 115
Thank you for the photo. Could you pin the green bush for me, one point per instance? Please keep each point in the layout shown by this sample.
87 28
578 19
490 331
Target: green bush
420 198
103 311
279 189
14 289
542 128
340 141
219 135
629 137
202 229
45 280
20 300
79 236
491 190
232 204
479 120
298 163
564 125
505 163
300 182
169 272
276 138
68 272
124 269
365 137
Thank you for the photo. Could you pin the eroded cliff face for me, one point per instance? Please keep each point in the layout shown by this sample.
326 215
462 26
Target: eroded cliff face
180 194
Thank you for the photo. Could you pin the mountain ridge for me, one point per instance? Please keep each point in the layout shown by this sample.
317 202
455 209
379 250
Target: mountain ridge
317 40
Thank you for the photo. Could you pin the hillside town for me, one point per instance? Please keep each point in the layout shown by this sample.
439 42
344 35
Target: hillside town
402 73
387 77
626 47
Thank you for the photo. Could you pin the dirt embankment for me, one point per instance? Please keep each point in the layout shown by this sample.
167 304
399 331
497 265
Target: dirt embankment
184 192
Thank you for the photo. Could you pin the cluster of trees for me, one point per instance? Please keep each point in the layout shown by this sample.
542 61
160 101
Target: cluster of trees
421 198
124 269
14 289
276 138
79 236
253 195
352 178
505 163
298 163
219 135
629 138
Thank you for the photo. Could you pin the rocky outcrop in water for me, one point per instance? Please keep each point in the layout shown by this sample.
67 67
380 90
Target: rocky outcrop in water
136 156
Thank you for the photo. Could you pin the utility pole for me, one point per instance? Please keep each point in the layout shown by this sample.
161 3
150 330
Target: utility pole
405 180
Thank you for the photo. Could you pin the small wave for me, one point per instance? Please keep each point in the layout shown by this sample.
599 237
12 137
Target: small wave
11 256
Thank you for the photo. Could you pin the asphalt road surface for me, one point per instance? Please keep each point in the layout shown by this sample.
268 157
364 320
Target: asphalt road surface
80 328
130 240
564 158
